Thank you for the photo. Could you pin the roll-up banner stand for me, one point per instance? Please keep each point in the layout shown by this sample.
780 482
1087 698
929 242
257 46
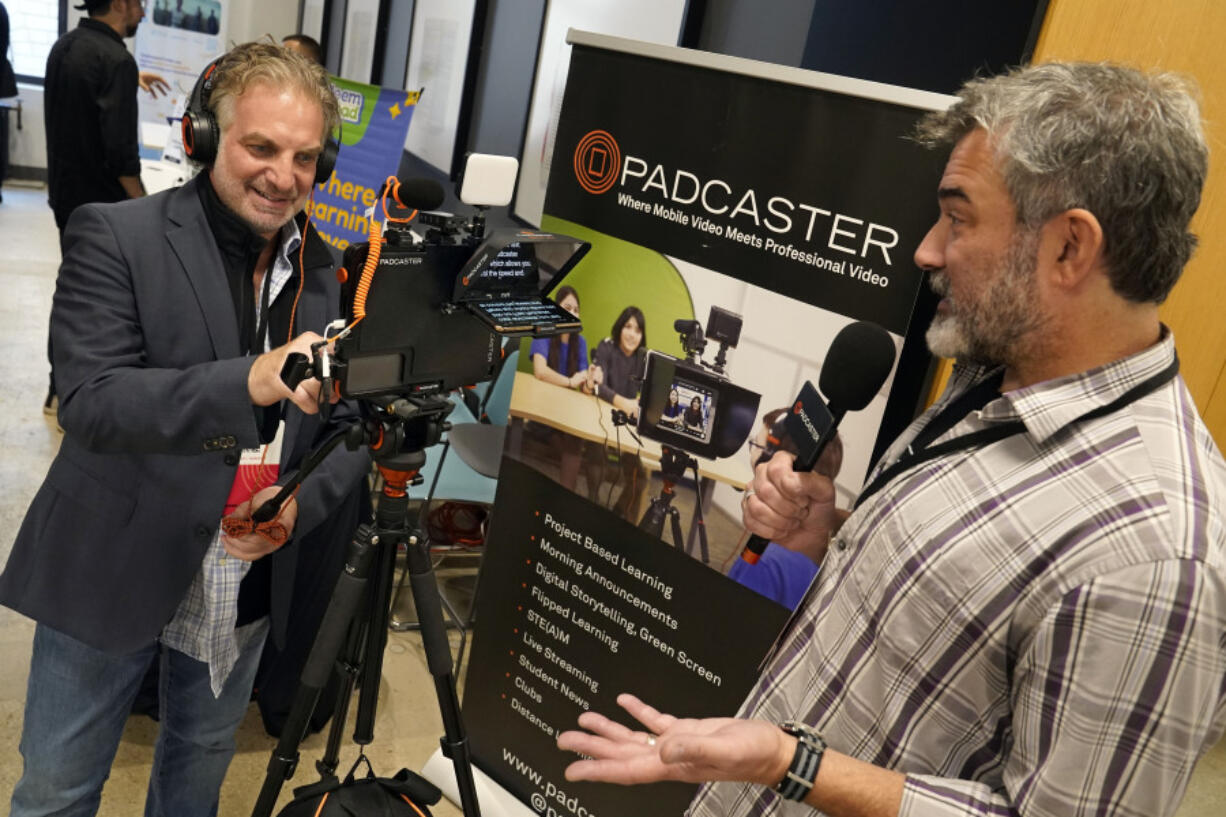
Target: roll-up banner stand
771 207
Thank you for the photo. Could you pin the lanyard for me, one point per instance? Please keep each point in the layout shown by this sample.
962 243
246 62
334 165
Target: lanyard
921 451
261 329
252 337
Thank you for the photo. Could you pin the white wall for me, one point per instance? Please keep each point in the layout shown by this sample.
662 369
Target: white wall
28 146
252 19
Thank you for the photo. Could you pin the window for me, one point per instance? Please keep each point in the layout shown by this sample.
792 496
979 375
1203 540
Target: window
34 26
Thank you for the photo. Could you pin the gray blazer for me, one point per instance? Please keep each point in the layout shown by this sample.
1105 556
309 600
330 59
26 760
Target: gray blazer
154 405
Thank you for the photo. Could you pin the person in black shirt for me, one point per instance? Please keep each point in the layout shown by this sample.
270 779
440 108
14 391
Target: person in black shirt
8 87
617 372
90 113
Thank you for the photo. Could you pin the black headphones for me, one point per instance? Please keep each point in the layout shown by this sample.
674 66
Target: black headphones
202 134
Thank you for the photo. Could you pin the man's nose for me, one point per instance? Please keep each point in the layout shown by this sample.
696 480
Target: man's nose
281 171
930 254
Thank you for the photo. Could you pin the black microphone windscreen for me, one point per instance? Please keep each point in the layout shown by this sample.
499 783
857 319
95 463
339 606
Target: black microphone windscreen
856 366
421 194
684 325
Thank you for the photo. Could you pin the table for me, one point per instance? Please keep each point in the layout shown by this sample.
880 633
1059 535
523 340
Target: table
158 175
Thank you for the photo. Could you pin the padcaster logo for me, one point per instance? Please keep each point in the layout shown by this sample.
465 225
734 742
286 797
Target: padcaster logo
598 162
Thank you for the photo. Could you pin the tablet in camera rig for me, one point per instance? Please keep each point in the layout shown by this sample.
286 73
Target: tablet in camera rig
713 416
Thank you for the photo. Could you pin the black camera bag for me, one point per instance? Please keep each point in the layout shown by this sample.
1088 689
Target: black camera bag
403 795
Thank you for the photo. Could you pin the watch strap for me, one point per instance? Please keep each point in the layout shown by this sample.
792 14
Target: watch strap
810 746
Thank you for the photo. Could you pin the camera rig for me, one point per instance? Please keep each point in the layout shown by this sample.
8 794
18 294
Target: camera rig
421 317
711 416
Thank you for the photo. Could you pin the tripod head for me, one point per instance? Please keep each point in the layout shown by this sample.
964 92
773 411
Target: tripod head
398 430
674 463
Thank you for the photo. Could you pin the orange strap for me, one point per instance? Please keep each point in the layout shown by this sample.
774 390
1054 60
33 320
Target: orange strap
273 531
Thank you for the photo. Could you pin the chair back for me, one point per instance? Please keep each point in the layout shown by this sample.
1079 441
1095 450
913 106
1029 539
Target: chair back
498 400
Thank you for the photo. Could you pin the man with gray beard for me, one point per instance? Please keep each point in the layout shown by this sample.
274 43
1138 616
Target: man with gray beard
1023 612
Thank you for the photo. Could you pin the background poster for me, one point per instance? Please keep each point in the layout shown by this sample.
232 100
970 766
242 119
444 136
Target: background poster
373 125
701 182
438 59
585 607
177 39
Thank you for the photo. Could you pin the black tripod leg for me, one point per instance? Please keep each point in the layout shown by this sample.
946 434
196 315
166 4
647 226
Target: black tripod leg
702 541
376 627
674 519
429 604
348 665
705 489
363 659
346 598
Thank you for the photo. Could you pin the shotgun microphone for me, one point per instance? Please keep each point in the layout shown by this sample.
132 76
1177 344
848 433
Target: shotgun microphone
417 194
856 366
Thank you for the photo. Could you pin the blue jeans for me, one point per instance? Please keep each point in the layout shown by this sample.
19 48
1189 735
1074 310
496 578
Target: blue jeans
77 702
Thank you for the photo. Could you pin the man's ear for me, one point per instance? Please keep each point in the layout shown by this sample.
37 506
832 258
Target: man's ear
1072 243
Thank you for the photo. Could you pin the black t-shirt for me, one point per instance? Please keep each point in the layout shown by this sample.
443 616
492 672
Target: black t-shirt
8 80
622 372
91 118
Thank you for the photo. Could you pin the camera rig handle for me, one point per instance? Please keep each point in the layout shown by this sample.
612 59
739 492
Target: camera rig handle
352 438
298 367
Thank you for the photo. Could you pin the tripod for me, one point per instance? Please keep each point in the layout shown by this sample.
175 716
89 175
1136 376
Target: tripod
673 464
397 438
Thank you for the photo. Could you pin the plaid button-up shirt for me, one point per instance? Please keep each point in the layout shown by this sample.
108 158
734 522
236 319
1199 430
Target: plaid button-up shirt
203 624
1033 627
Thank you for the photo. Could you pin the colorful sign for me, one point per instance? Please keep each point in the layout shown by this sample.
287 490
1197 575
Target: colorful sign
374 123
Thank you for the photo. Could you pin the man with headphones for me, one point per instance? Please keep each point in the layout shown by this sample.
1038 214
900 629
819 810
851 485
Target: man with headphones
172 318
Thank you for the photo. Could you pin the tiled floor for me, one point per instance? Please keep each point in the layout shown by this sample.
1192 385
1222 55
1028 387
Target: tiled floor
408 725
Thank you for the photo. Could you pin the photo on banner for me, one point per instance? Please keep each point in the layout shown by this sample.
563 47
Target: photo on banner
374 122
740 216
176 41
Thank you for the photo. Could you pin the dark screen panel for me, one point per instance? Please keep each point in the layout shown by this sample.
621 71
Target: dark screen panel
934 46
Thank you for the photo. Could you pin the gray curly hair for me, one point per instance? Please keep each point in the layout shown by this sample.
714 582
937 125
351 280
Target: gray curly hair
255 62
1126 145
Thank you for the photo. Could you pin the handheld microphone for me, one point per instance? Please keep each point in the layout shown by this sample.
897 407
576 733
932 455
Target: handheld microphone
856 366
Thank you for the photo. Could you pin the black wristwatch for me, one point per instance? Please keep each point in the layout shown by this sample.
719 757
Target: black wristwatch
810 746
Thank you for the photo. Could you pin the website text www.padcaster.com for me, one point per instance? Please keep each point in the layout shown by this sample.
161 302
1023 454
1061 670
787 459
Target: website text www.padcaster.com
548 799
